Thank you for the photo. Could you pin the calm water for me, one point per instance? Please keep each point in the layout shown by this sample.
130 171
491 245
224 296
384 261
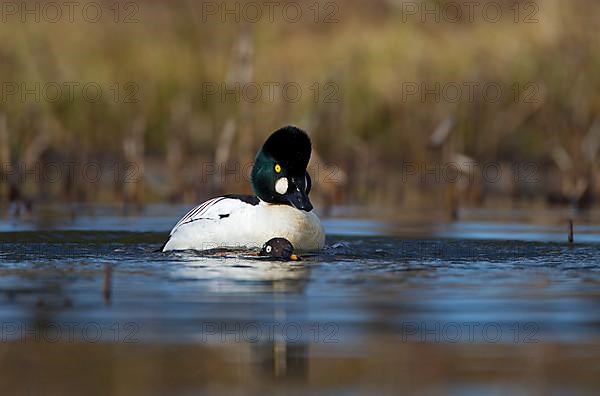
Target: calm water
451 306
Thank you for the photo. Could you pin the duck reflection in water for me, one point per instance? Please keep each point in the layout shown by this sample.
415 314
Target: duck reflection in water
276 332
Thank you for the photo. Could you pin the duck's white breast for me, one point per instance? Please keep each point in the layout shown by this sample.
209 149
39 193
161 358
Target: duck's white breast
302 229
232 223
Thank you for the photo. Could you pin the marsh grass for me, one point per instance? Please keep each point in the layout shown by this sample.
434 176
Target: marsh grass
369 129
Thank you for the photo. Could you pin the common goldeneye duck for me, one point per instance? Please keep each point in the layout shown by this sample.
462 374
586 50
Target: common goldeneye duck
279 249
280 209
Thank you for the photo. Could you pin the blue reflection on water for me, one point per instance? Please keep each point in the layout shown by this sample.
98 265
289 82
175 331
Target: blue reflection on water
374 278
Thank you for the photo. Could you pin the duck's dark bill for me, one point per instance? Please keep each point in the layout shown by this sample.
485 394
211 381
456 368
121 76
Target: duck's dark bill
299 200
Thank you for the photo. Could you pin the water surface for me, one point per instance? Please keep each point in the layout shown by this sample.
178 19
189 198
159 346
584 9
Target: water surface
485 300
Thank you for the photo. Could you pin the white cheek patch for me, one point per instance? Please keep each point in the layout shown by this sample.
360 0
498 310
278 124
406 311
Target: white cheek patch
282 185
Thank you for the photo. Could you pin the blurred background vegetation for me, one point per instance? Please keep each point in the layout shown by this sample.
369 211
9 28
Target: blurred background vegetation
164 130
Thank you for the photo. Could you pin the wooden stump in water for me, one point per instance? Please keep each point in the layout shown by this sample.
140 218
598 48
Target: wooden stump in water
571 237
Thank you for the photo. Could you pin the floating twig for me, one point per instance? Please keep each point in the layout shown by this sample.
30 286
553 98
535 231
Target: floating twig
571 238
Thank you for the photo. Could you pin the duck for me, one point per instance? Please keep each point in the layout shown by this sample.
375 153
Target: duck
279 208
279 249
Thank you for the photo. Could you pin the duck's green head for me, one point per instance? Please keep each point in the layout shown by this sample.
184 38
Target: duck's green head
279 174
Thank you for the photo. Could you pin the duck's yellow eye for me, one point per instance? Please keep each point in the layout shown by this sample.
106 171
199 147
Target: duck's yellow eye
277 168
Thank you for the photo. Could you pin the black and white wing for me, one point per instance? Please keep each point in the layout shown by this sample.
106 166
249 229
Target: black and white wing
215 209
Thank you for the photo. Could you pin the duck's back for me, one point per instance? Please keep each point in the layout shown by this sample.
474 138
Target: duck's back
233 222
